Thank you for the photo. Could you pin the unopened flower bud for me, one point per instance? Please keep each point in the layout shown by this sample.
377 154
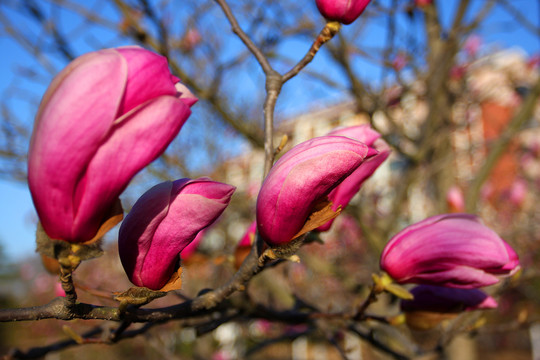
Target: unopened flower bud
453 250
163 222
99 123
343 11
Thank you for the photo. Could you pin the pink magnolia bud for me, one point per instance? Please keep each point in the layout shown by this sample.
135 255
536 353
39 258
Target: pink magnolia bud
104 117
59 290
344 192
457 72
518 192
472 45
249 237
455 199
163 222
423 2
534 61
343 11
244 246
453 250
191 39
399 61
301 180
447 300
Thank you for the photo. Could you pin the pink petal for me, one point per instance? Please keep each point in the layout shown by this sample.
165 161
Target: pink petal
163 222
135 237
71 117
135 142
301 178
454 250
344 11
148 77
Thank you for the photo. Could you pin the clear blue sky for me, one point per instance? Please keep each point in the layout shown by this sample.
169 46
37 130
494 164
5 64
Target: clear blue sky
17 217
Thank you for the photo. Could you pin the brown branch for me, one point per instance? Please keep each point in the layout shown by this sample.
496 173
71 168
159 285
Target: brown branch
482 14
274 82
251 266
66 279
435 144
163 32
39 352
85 13
372 297
369 337
356 87
64 309
522 19
326 34
60 309
286 337
458 19
26 44
332 341
91 337
60 41
390 39
261 58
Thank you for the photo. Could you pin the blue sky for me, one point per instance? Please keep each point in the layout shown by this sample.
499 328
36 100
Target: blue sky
17 216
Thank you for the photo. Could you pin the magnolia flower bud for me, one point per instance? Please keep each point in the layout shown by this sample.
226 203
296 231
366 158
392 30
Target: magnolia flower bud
300 181
423 2
343 11
106 116
453 250
244 246
163 222
455 199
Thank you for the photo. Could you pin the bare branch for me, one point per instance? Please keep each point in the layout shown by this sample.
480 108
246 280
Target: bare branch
261 58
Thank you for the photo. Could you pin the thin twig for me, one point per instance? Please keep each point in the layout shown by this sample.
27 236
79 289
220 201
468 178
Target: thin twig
326 34
251 266
372 297
261 58
66 279
377 343
274 81
119 330
88 337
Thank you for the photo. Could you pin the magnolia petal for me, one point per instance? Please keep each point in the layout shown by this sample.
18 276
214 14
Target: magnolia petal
136 142
72 118
163 222
148 77
344 11
135 236
454 250
342 194
301 179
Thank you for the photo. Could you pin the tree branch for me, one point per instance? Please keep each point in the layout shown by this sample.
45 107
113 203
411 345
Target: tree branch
261 58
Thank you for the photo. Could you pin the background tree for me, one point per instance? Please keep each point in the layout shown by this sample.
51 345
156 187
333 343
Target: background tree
413 70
